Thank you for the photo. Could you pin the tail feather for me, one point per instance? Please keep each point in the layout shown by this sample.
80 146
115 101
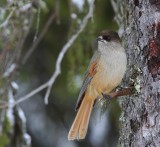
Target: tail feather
75 126
80 124
85 120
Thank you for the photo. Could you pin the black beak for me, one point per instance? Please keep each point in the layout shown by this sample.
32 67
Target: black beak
99 38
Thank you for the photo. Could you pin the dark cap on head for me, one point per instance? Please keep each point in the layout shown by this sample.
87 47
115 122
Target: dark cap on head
110 35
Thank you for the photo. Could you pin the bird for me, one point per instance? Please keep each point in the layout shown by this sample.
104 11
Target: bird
105 72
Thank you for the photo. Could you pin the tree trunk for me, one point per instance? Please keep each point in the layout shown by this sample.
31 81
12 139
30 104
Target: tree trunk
139 22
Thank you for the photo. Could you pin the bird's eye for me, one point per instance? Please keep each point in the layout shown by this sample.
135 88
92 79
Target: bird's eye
107 38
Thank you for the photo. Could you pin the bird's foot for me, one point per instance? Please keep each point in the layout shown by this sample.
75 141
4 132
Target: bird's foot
106 97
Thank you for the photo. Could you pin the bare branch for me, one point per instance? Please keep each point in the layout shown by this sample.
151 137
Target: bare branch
37 24
7 19
51 81
32 93
66 47
37 41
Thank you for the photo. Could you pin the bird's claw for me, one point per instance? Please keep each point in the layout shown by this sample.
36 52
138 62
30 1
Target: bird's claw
106 97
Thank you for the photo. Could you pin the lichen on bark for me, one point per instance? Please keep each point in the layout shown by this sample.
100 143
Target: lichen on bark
139 25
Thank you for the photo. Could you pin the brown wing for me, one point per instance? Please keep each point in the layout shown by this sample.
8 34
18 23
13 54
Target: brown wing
91 71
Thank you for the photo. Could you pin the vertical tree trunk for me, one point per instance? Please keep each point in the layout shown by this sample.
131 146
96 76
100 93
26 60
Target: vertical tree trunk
139 20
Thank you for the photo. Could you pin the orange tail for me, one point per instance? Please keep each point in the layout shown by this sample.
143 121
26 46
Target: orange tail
80 124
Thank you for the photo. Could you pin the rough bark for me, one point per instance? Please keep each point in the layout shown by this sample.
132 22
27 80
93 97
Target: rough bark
139 22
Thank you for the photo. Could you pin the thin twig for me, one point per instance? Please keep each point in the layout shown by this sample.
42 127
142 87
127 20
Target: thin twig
37 25
66 47
37 41
7 19
51 81
32 93
122 92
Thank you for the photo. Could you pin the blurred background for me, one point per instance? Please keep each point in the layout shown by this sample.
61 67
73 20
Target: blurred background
49 24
